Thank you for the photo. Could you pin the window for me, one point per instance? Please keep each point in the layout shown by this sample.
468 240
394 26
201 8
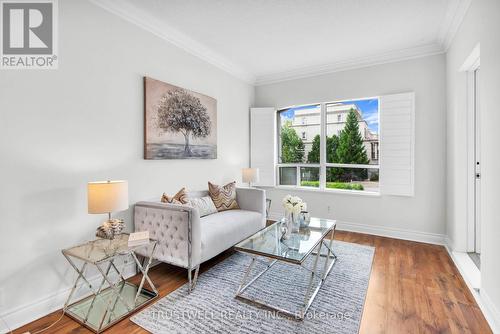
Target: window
337 155
299 146
374 150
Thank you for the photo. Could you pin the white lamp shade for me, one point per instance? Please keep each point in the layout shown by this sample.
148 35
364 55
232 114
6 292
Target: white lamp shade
107 196
250 175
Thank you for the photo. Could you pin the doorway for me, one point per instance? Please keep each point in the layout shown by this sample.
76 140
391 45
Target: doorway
474 161
477 154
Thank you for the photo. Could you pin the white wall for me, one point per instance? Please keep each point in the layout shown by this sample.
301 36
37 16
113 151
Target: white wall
424 213
60 129
481 25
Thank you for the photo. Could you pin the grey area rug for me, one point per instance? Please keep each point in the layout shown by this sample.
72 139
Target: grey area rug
212 307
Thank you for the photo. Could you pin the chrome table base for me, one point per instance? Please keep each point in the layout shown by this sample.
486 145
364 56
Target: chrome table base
310 295
106 306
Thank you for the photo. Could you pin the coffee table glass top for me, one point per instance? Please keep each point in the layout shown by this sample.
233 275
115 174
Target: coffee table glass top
267 242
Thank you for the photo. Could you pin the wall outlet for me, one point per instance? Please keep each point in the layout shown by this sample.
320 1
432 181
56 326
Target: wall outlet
328 208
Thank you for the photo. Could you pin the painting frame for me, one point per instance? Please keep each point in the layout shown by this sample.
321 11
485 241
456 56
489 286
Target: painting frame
179 123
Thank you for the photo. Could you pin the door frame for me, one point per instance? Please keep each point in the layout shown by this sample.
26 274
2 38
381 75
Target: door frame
471 64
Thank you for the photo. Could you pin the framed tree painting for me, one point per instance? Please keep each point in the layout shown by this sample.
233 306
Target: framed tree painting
178 123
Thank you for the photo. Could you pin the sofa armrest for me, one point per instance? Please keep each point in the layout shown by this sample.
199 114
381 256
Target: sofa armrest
252 199
175 227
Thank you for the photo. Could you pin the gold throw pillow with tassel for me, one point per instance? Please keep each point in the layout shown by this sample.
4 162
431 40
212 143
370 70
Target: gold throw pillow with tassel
179 198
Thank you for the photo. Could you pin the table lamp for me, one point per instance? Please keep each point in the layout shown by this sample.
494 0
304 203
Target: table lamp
108 197
250 175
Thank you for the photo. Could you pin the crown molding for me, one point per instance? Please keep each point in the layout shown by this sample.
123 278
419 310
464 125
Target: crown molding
139 17
455 14
351 64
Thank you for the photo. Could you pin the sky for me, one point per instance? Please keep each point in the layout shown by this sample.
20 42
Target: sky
368 107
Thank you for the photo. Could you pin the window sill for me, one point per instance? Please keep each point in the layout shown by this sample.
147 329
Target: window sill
327 191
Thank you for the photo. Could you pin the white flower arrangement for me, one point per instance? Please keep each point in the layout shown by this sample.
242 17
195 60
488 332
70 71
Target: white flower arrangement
294 204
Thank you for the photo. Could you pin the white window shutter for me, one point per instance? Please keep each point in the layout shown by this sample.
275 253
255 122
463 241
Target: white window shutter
397 144
263 144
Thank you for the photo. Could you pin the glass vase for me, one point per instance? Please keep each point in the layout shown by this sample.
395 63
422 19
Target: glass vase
293 221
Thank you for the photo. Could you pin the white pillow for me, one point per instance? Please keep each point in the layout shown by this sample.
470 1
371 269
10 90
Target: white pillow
205 205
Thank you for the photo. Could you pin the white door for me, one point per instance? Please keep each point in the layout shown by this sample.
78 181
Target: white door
477 158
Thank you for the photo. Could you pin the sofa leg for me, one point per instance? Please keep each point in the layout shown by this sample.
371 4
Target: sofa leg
192 280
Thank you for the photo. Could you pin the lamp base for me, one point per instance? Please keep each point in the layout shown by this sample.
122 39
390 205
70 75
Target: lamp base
109 228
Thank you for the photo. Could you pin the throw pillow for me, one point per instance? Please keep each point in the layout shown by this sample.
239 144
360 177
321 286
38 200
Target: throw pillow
205 205
179 198
224 197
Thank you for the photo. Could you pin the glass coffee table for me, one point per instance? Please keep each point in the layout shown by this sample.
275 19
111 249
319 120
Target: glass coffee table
308 241
114 298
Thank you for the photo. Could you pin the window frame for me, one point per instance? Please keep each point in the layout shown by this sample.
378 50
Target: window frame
323 164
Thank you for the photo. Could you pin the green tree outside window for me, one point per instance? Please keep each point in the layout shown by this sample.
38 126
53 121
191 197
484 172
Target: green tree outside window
292 147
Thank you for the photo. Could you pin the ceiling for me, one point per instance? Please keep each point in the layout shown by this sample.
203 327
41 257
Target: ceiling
263 41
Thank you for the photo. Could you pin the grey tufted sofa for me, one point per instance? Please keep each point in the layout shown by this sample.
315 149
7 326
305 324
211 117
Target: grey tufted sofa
186 240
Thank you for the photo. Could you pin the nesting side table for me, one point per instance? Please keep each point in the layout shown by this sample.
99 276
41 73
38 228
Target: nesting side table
114 298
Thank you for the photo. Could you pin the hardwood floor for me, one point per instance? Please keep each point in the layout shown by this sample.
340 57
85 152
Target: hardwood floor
414 288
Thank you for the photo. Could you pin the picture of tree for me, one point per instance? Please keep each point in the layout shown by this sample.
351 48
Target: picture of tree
179 111
179 123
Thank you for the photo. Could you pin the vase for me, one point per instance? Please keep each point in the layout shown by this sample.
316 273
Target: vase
284 229
293 222
304 219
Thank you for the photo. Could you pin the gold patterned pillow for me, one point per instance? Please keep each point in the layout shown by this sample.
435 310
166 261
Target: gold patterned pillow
179 198
224 197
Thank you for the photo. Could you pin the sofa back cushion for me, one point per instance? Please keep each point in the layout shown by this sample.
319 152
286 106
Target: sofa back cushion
205 205
197 194
224 197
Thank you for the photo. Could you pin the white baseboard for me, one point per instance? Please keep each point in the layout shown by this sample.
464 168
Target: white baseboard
489 310
491 313
449 244
390 232
430 238
29 312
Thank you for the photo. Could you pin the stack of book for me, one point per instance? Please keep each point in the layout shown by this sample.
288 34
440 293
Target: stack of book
138 239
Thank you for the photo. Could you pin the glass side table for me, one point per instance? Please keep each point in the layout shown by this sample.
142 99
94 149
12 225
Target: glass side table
114 299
